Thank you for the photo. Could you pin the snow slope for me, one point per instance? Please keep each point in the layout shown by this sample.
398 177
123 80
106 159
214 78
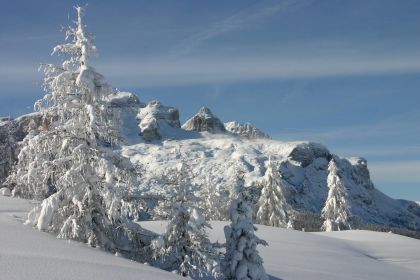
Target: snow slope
29 254
26 253
338 255
302 165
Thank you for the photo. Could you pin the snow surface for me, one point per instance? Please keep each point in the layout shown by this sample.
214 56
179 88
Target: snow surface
212 155
26 253
29 254
354 254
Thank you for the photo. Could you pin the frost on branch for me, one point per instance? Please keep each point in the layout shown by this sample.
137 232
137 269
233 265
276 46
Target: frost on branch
242 260
185 247
69 166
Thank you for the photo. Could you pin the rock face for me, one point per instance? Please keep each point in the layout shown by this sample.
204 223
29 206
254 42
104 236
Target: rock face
204 120
154 118
140 121
123 99
245 130
306 153
12 131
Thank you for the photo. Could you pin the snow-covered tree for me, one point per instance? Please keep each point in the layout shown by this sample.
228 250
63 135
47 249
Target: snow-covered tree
68 163
242 260
213 200
235 183
185 247
336 212
273 208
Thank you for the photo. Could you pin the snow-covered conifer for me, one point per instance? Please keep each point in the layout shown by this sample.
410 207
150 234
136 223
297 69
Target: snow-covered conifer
185 247
235 183
213 200
242 260
273 208
336 212
67 164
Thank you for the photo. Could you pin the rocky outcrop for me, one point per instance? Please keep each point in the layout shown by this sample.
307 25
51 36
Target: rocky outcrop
306 153
123 99
154 118
246 130
204 120
12 131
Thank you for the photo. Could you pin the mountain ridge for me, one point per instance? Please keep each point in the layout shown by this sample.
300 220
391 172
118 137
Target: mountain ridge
154 141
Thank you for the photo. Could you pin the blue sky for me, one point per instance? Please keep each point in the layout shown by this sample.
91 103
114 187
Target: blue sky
342 73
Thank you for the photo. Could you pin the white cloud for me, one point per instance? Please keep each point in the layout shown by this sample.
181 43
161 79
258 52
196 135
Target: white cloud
401 125
380 151
204 70
397 171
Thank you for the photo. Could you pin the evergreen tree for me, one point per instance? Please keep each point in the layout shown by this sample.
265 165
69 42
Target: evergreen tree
272 206
185 247
336 212
67 164
242 260
213 200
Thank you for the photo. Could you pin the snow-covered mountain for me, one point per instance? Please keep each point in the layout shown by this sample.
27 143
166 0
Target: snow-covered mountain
154 141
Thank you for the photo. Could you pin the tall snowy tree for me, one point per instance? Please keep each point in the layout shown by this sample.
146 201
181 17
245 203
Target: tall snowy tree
185 247
67 163
242 260
273 208
336 212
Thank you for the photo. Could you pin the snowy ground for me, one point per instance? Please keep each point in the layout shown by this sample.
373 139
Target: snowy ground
29 254
336 255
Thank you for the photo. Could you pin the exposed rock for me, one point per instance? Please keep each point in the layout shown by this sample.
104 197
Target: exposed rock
305 153
204 120
360 172
155 117
25 123
245 130
12 131
123 99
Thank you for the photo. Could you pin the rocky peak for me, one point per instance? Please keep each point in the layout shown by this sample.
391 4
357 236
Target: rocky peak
245 130
123 99
306 153
13 131
204 120
154 117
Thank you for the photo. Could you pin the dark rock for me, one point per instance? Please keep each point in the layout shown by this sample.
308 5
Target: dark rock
246 130
305 153
204 120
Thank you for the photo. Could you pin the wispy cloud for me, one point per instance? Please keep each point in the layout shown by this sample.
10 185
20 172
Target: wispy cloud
20 77
396 171
247 17
399 125
380 151
200 70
